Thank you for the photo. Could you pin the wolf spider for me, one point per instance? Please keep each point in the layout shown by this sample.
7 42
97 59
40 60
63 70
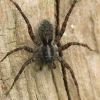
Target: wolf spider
48 50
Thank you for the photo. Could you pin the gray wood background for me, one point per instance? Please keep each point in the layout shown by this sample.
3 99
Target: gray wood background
83 26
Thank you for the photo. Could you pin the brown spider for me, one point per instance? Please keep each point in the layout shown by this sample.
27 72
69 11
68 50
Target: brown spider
47 50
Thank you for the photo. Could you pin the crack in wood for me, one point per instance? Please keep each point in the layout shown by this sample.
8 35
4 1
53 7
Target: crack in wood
56 33
57 17
65 83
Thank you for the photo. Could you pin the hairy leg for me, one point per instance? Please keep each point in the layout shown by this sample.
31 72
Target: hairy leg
20 48
64 64
58 37
66 46
27 22
60 34
21 70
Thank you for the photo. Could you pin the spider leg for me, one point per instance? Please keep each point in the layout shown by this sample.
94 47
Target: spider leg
60 51
58 37
66 46
21 70
53 65
64 64
41 66
20 48
27 22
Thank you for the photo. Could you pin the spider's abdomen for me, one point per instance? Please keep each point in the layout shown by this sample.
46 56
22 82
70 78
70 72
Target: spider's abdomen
48 53
46 32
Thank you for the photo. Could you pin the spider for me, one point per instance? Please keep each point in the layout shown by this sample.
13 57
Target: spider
48 50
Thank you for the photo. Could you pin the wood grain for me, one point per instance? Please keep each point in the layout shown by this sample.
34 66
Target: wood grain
83 26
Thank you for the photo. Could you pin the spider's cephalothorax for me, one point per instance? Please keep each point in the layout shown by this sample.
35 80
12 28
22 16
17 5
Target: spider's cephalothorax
46 51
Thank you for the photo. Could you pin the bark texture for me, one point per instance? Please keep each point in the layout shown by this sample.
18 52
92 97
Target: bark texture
83 26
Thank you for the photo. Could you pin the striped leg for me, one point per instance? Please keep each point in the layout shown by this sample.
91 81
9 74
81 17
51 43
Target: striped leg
58 37
21 70
64 64
27 22
20 48
72 74
66 46
60 51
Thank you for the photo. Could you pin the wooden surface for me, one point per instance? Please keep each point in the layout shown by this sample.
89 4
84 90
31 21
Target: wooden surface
83 26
